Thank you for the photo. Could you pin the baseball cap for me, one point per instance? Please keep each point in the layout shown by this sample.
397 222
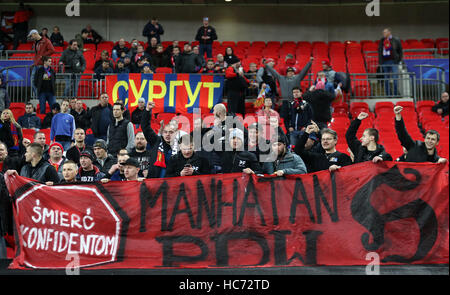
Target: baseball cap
33 31
88 154
101 144
290 69
132 162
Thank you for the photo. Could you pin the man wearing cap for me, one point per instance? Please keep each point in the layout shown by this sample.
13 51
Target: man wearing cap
131 169
323 156
56 158
239 160
41 47
88 172
206 35
120 131
236 85
102 160
285 162
328 70
190 62
187 162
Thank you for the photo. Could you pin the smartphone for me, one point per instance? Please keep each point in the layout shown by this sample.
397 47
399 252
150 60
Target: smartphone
187 165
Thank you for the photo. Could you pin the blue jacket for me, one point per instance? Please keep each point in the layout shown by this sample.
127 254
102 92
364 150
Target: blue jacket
62 124
29 121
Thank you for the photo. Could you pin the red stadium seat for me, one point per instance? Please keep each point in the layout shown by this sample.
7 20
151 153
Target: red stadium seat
164 70
18 109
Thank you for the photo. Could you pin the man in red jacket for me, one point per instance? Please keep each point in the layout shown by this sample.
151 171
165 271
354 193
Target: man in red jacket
41 47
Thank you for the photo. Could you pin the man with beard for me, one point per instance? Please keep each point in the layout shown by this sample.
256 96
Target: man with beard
286 162
141 154
88 172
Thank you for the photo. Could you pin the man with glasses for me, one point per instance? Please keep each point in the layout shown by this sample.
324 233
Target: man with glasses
323 156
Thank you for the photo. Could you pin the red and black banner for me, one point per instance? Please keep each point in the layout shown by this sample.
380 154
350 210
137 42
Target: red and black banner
398 210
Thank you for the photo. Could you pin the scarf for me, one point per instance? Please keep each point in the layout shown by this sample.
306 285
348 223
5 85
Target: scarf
15 137
160 157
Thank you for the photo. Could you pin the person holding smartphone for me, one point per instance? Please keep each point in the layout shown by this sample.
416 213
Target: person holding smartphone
187 162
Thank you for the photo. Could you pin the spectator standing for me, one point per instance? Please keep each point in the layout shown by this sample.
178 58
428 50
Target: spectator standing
161 146
229 55
44 33
265 77
390 54
80 146
63 127
20 24
239 160
442 106
190 62
4 99
236 85
45 83
11 133
36 167
324 156
56 158
320 101
120 132
153 29
81 39
41 47
285 163
301 115
136 115
74 64
101 116
29 119
368 148
417 151
187 162
140 153
159 59
330 74
88 172
102 160
206 35
47 121
56 38
80 115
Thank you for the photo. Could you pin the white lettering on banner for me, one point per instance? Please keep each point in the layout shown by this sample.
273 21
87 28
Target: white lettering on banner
70 243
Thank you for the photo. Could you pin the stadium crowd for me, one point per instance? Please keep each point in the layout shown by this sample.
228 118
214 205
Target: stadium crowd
302 144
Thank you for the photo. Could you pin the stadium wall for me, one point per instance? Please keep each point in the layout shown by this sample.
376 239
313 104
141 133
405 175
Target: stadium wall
251 23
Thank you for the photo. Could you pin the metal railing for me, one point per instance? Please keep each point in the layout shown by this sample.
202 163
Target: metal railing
430 88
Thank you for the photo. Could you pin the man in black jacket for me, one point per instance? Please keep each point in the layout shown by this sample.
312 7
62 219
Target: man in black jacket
36 167
80 115
301 114
153 29
236 85
74 64
368 148
206 35
190 62
101 116
120 132
187 162
161 146
418 151
45 83
324 156
239 160
442 106
320 101
390 54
